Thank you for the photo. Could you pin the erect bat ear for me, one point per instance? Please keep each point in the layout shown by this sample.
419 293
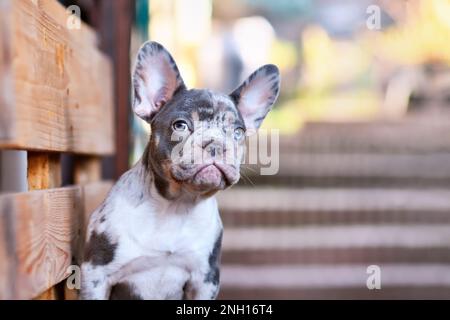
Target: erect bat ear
255 97
155 80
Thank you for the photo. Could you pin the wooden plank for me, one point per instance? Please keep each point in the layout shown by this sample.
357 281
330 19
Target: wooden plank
46 223
94 193
87 172
8 257
43 230
87 169
7 120
44 172
58 93
49 294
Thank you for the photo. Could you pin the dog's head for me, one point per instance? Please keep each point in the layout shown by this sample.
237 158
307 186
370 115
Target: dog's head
197 138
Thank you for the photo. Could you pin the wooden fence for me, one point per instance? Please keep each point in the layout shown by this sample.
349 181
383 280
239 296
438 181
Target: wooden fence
56 97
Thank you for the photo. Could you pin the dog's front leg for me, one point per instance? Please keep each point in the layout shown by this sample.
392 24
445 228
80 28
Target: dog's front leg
95 283
200 287
204 282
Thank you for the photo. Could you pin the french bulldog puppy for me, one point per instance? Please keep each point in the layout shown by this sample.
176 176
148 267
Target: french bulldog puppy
158 233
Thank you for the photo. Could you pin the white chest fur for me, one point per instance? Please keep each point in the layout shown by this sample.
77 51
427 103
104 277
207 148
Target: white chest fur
171 229
154 239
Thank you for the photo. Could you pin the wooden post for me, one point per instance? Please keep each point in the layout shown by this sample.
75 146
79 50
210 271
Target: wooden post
44 172
70 109
114 27
87 169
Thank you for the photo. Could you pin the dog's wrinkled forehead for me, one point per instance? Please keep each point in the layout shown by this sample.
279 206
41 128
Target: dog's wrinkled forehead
202 106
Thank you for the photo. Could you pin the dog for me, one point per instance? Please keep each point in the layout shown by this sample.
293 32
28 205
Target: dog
158 233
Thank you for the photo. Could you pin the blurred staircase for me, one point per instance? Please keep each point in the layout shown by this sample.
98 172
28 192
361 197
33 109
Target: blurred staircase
346 196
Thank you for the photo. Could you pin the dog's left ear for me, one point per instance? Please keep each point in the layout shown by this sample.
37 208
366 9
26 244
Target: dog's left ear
256 96
155 80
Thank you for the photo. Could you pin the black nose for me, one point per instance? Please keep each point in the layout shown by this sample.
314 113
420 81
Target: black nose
213 147
207 143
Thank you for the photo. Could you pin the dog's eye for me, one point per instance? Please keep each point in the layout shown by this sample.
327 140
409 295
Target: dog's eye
180 125
239 134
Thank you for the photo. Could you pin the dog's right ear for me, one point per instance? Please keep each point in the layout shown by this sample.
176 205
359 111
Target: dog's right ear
155 80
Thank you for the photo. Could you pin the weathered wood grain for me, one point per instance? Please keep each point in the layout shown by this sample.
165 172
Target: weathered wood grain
87 172
44 170
8 257
42 230
7 120
55 85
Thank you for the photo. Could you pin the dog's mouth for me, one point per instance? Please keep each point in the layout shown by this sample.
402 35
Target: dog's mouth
211 176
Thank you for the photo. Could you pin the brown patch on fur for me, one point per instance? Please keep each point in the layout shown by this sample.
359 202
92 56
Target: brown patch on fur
124 291
100 250
189 292
174 187
207 194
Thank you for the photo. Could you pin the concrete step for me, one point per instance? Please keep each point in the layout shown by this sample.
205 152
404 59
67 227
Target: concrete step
398 281
352 169
272 207
330 261
333 256
319 276
343 293
405 136
334 237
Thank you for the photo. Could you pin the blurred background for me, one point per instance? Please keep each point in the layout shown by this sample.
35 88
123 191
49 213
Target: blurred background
364 146
364 175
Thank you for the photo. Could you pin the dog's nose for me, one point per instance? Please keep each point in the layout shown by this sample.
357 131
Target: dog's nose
207 142
213 147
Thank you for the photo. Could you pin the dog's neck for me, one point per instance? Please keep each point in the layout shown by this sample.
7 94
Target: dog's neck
140 184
